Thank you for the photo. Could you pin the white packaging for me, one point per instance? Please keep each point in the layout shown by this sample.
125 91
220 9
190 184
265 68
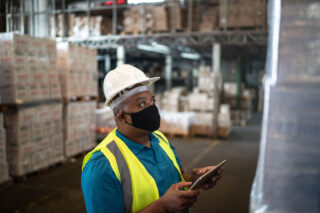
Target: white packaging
23 117
19 135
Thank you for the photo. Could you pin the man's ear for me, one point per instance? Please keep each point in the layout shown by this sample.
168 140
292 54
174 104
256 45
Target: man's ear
120 116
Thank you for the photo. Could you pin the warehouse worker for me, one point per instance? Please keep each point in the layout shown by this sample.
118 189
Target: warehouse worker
135 168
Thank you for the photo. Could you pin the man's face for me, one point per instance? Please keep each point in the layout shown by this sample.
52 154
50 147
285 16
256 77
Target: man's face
138 102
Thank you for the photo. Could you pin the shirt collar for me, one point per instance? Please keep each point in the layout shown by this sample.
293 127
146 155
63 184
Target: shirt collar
135 147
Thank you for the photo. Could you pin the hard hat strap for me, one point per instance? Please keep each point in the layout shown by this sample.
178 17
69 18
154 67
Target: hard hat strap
124 94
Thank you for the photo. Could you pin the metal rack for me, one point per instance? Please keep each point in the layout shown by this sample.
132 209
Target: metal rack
40 13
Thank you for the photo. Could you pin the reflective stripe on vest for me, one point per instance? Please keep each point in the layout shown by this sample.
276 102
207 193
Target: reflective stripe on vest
138 186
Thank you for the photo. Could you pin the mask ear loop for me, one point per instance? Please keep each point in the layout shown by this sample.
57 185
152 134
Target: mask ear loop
130 116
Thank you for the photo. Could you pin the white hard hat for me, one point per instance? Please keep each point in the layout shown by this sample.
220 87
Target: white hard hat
124 77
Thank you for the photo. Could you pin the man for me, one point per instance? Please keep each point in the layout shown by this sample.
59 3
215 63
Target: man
135 168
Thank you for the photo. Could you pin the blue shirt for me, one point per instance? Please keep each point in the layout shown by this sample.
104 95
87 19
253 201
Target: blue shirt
101 188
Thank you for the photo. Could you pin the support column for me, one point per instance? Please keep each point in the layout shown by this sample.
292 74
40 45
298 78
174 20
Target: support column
216 59
168 73
120 55
107 63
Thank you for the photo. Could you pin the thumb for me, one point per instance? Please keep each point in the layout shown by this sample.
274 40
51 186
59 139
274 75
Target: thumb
180 185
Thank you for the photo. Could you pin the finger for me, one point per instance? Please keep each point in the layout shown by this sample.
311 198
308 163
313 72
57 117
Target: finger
189 193
180 185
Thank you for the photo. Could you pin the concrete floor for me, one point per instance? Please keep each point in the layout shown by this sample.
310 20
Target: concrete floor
58 190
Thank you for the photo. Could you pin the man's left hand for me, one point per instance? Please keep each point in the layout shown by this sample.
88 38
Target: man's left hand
197 172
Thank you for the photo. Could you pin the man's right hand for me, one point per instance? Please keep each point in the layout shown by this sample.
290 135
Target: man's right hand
176 200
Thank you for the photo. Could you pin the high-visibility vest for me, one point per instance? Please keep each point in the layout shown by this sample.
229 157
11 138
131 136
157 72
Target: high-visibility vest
138 186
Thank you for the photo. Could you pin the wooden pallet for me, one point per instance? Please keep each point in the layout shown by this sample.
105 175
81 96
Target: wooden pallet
201 130
177 135
79 98
6 184
20 104
44 170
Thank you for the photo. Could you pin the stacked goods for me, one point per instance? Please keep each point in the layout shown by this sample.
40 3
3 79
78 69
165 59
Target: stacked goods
206 80
155 19
104 121
209 20
34 138
4 172
172 100
200 101
77 70
80 127
239 114
78 26
28 69
176 123
224 121
288 172
241 13
174 16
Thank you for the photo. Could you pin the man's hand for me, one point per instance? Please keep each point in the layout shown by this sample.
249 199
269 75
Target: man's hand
175 200
197 172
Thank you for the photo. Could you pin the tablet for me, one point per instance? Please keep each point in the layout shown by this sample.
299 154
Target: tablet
205 178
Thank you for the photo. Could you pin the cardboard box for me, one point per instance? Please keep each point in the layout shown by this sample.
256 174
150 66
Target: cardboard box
24 117
18 135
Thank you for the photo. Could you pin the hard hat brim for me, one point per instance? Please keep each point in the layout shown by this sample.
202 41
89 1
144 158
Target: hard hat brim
147 83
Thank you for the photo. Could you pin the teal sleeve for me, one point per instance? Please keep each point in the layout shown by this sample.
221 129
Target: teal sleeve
101 189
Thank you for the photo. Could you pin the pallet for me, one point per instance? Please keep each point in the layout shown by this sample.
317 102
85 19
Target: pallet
224 132
135 32
201 130
177 135
44 170
15 106
6 184
80 98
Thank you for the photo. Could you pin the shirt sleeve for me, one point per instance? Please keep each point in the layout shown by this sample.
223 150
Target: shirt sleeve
175 153
101 189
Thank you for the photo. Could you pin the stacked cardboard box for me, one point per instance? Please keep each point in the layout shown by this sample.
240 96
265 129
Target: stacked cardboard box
172 101
175 19
80 127
224 121
209 20
200 101
4 172
77 70
78 26
34 138
241 113
176 123
288 172
28 69
155 16
241 13
206 80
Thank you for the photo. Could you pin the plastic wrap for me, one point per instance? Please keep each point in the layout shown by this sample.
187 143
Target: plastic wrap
288 173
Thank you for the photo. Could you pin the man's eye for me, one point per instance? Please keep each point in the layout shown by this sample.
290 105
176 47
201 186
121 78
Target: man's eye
142 104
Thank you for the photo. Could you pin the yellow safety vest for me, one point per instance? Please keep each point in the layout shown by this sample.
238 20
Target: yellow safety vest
138 186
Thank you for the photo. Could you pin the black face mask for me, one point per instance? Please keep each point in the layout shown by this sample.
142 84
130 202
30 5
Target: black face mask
147 119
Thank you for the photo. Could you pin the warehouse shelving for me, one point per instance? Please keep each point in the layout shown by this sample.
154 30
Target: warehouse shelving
15 22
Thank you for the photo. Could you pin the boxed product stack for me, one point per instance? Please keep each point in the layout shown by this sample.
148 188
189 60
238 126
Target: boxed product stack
77 70
34 138
242 112
176 123
224 121
172 100
78 26
4 172
80 127
206 80
175 20
209 19
155 19
288 171
200 101
28 69
104 121
241 13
